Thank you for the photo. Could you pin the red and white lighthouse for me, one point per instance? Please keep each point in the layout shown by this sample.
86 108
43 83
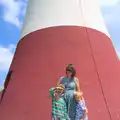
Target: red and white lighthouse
56 33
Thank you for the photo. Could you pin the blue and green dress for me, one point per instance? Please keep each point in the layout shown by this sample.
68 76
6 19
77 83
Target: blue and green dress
59 108
70 88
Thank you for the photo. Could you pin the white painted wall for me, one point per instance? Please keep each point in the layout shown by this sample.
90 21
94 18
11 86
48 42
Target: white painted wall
92 15
47 13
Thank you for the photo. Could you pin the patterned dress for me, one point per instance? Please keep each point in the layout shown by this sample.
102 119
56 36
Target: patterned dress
59 109
70 87
80 110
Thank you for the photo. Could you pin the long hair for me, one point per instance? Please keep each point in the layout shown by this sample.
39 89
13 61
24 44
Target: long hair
71 68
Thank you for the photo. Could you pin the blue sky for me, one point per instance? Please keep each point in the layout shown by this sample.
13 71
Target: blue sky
11 19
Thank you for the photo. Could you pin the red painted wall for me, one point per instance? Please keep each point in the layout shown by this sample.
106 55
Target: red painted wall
40 60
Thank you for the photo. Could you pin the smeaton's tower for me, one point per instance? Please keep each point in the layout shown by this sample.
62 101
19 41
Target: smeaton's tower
55 33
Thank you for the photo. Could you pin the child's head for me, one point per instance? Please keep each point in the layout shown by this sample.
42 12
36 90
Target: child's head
78 96
60 88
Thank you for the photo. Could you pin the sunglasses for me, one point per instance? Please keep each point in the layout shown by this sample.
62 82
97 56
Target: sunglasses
69 70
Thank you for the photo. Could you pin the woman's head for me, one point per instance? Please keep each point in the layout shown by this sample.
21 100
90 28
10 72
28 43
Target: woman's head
70 71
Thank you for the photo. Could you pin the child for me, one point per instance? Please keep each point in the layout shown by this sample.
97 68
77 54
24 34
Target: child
81 110
59 109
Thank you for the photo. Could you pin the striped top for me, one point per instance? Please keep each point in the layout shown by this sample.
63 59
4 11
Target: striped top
59 108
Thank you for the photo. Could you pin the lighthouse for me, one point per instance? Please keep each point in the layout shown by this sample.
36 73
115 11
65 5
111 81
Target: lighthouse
54 34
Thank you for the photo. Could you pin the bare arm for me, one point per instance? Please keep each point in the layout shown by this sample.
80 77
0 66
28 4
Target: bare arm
85 104
78 89
58 82
84 116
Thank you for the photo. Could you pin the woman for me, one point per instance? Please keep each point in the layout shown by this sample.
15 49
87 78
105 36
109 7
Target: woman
71 84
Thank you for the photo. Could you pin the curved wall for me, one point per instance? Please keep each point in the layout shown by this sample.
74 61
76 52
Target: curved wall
40 60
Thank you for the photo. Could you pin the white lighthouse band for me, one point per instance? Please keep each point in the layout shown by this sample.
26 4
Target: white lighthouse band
51 13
